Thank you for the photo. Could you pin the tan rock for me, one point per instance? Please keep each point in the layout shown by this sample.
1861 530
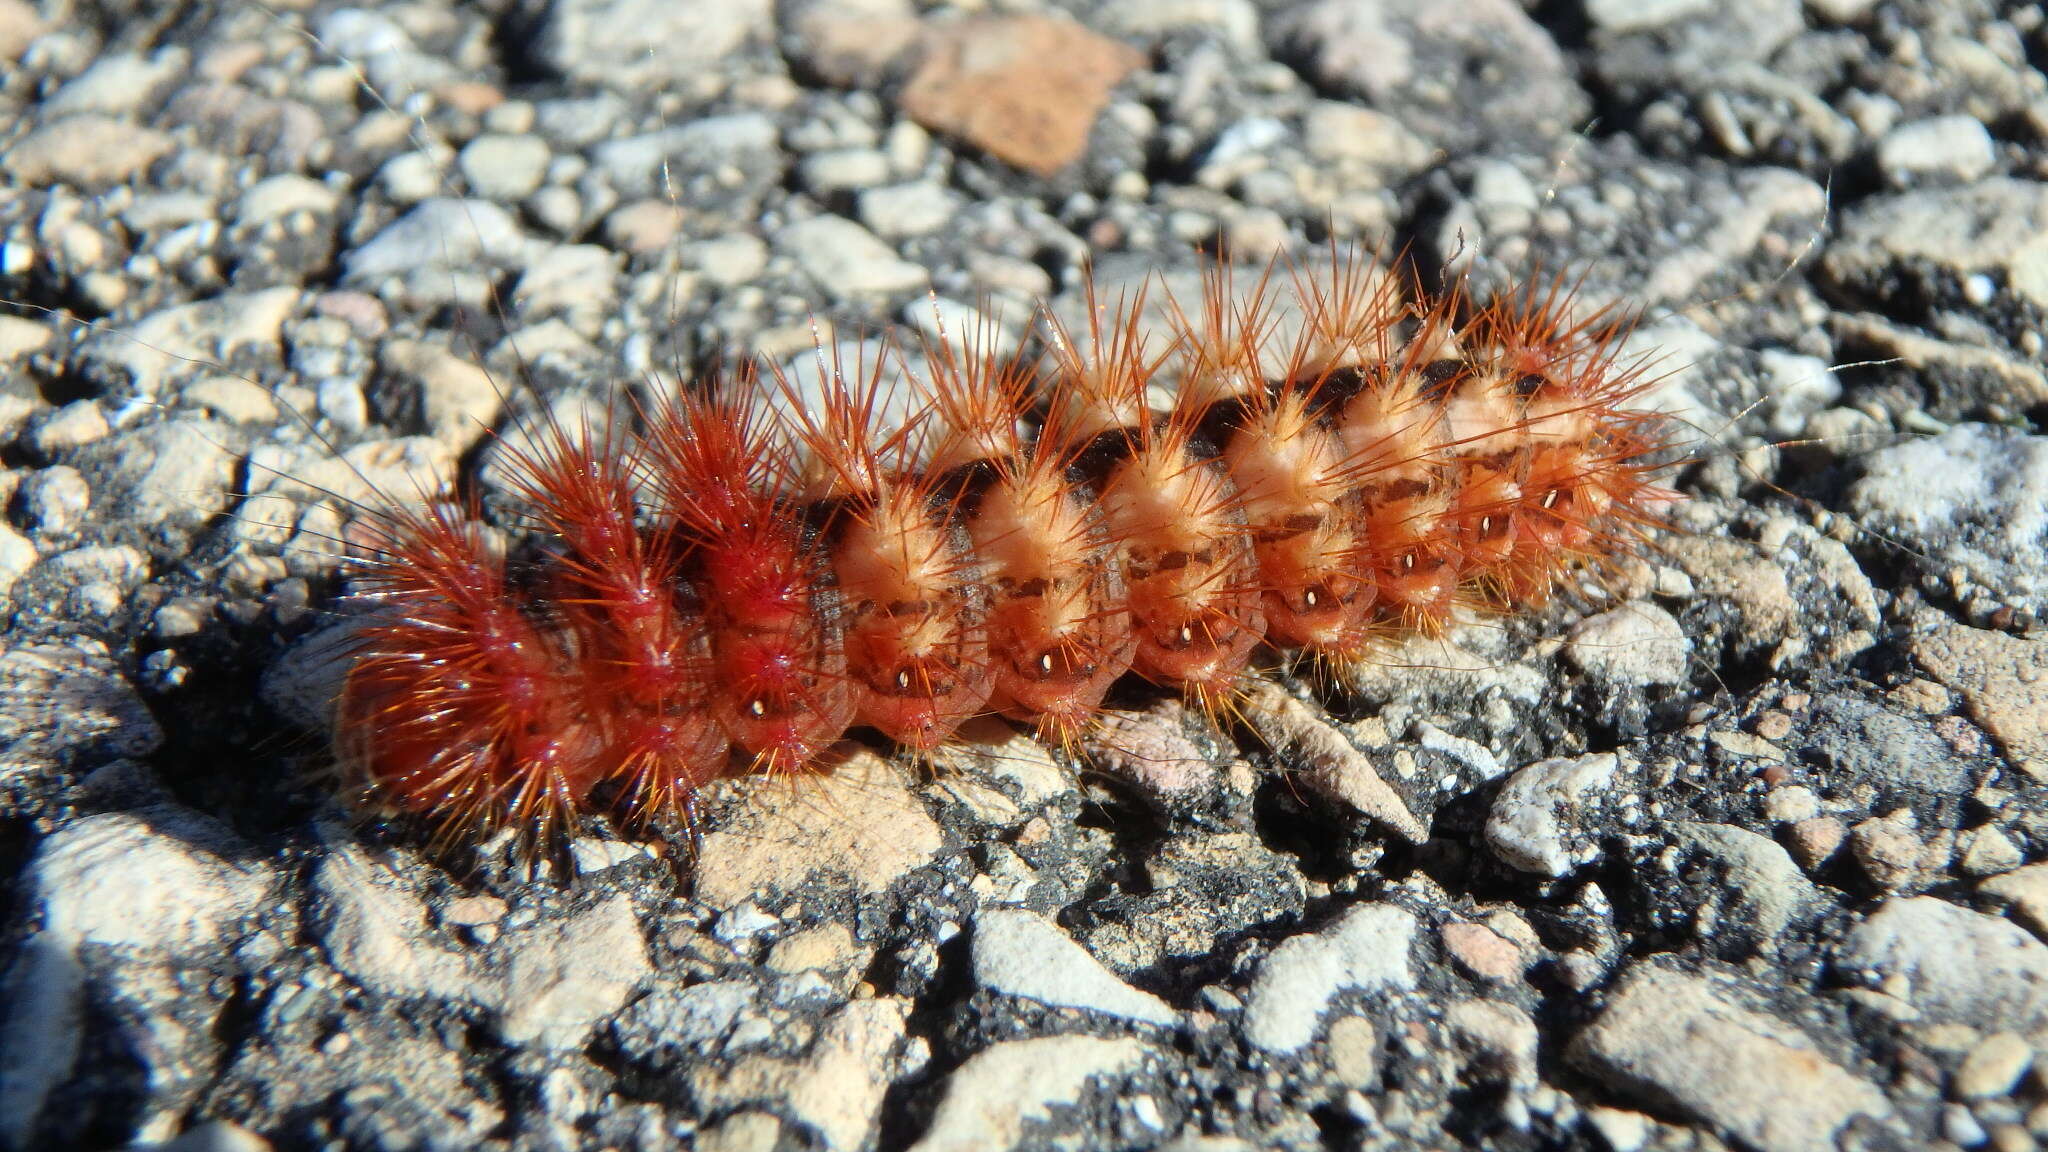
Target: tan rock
1681 1043
1331 764
859 823
827 949
1025 89
991 1098
2004 683
1737 570
19 26
836 1088
89 151
2025 890
1153 750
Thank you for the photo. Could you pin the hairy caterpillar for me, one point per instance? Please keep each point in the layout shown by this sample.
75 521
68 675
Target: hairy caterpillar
757 567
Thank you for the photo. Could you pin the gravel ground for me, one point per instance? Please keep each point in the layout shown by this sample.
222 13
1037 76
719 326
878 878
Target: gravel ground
1742 851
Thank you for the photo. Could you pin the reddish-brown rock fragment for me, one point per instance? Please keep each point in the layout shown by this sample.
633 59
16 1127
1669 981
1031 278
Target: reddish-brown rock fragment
1024 89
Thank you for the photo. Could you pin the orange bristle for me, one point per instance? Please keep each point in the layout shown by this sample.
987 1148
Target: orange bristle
1191 577
912 598
1059 630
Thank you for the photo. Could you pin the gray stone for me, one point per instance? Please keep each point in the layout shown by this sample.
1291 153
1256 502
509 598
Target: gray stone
504 168
117 84
1682 1043
1428 65
1634 646
389 57
1974 498
282 195
1539 822
579 121
940 318
127 898
68 703
843 170
903 210
1021 954
991 1099
847 260
836 1089
1236 22
558 979
635 164
1942 237
646 42
1758 890
171 474
1869 740
187 341
728 260
1365 950
1637 15
54 501
1950 965
1954 148
93 579
439 236
577 282
672 1023
412 177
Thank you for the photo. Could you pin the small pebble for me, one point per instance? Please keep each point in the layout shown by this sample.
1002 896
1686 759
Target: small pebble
54 500
1814 840
1993 1067
75 425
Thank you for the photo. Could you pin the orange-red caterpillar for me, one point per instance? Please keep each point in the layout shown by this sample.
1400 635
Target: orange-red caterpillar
764 566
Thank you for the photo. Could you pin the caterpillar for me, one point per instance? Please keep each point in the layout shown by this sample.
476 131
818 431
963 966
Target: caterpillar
735 575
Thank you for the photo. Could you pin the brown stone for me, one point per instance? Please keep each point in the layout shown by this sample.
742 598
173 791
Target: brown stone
2004 683
1025 89
1482 951
1813 840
